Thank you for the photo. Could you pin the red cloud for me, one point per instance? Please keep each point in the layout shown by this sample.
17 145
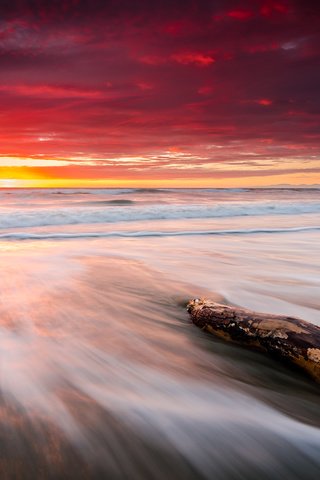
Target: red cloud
174 28
184 58
261 48
270 8
81 86
240 14
205 90
200 59
145 86
265 101
152 59
52 91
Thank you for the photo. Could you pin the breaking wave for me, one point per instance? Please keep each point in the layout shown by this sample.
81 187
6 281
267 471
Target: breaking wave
57 236
129 212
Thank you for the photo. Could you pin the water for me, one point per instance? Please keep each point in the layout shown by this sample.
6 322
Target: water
102 373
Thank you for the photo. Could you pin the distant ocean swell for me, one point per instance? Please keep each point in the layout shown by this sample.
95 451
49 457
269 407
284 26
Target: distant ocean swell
114 213
57 236
120 191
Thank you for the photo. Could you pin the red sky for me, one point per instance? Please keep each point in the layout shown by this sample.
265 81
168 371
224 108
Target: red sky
179 92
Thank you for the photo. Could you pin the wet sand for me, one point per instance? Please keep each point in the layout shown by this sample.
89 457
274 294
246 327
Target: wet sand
103 375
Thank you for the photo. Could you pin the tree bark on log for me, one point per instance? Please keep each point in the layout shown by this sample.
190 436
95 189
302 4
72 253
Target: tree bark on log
287 338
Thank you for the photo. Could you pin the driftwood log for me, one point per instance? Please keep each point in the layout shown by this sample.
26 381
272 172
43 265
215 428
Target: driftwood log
287 338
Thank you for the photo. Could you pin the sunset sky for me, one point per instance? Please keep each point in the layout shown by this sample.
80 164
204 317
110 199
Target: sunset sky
159 93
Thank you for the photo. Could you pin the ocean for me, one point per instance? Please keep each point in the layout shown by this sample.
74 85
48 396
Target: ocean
103 375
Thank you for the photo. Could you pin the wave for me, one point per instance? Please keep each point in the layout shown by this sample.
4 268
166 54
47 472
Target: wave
90 191
38 217
119 202
138 234
154 190
44 192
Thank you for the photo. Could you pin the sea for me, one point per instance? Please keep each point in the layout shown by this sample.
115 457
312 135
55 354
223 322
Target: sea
103 374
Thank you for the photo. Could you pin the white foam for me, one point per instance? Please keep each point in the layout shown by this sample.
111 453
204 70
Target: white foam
37 217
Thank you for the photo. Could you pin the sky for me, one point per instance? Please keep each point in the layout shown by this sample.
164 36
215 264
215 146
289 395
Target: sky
159 93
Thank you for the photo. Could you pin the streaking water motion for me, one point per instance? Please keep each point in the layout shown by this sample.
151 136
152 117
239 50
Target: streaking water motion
102 373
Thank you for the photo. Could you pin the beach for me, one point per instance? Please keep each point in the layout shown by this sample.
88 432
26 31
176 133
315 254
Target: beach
103 374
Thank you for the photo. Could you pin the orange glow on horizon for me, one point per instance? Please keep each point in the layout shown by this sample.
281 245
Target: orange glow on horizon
171 168
28 180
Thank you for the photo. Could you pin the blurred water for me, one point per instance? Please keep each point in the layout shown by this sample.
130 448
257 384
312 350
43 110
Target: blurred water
102 375
36 208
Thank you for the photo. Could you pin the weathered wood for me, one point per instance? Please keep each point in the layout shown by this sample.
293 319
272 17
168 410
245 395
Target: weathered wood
288 338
